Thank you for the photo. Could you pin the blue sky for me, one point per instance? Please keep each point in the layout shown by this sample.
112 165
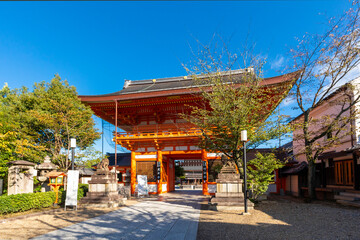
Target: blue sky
96 45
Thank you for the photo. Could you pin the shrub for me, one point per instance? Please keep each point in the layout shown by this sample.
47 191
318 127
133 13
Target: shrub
84 187
261 173
37 185
26 201
82 190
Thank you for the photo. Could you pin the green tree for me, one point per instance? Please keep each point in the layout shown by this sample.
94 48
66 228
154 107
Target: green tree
261 173
59 115
232 103
325 61
179 171
88 157
41 122
16 141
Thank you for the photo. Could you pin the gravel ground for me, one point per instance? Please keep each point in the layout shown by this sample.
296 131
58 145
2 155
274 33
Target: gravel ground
32 225
282 219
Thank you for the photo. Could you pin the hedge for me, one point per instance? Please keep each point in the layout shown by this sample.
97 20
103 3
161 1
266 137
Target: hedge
26 201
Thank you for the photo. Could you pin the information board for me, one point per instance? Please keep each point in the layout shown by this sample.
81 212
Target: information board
142 185
72 188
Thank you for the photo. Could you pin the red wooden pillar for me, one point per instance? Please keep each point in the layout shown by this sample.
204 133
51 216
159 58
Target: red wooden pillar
168 175
133 173
205 181
116 118
159 161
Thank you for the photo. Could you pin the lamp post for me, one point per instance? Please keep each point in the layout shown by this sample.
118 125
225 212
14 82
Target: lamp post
244 139
73 146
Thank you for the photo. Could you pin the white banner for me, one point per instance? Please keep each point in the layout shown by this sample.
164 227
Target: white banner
142 185
72 188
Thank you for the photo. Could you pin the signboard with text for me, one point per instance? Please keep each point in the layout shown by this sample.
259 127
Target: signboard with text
142 186
72 188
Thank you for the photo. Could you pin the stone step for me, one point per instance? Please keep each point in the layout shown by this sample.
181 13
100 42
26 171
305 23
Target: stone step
344 197
250 204
349 203
232 181
228 199
350 194
231 208
229 194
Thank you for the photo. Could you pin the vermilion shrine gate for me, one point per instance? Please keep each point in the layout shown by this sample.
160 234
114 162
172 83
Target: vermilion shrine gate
148 112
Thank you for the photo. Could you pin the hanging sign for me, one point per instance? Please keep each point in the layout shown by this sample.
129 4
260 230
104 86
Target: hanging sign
158 167
204 171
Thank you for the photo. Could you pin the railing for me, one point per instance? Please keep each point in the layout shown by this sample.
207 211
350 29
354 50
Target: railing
193 132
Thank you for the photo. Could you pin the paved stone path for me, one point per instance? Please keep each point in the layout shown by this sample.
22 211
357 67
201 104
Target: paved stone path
171 216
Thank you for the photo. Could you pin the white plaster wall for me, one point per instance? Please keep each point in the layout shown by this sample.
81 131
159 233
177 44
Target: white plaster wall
192 168
149 156
85 180
194 148
181 148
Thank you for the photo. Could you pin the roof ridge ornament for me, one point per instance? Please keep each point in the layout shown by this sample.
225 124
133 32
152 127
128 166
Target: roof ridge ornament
127 83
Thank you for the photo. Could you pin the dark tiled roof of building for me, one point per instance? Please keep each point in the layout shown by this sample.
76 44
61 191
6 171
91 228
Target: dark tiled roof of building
295 169
46 165
251 154
283 154
335 154
161 84
21 162
85 171
123 159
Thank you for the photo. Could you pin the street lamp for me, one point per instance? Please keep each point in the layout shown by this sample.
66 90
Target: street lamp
73 146
244 140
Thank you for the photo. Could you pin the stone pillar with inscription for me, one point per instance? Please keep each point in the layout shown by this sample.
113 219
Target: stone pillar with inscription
229 190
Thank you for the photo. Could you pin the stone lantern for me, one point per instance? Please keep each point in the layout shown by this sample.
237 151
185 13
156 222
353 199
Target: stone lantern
44 168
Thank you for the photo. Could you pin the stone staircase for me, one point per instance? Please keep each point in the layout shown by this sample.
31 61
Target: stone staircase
348 198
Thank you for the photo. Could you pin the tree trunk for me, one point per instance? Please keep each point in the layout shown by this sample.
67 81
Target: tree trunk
311 180
238 159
